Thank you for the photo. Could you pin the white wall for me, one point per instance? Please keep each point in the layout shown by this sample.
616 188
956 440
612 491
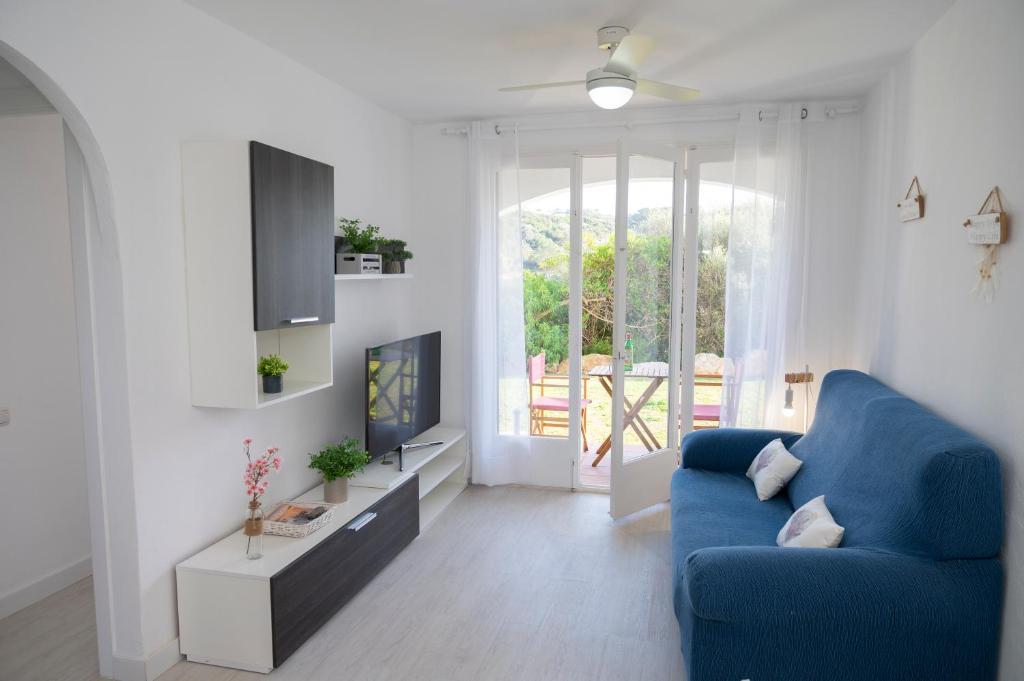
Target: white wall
145 76
17 95
950 113
440 196
42 449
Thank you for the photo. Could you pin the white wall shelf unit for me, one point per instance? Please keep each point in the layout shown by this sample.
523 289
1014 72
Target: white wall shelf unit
368 277
223 345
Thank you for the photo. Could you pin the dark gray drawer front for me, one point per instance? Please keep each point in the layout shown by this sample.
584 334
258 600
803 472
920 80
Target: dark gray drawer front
311 590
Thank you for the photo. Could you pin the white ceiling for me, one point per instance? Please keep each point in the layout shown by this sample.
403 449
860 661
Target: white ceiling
445 59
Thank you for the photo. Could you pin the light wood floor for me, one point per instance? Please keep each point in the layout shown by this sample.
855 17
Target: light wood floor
53 640
508 583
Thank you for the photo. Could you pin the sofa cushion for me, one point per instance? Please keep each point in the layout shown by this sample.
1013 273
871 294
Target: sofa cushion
710 508
772 468
897 476
811 527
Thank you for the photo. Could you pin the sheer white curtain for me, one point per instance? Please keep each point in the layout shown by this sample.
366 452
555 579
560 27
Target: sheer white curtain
767 266
498 386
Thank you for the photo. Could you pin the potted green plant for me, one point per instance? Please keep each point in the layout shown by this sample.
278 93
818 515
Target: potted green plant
358 249
395 255
272 368
337 463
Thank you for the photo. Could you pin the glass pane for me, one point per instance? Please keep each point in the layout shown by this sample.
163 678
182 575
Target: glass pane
534 262
715 201
598 203
648 304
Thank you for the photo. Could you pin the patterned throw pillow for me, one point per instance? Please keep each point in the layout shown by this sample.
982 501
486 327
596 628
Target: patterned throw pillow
772 469
811 526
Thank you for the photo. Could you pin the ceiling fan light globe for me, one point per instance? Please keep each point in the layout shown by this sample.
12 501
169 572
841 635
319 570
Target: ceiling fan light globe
610 96
609 90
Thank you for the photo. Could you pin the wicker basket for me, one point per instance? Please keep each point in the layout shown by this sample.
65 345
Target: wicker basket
296 530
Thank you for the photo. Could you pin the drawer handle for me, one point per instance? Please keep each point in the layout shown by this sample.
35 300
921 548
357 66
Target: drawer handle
362 521
302 320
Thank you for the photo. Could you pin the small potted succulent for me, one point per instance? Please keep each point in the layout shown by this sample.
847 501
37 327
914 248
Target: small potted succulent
337 463
272 368
395 255
357 252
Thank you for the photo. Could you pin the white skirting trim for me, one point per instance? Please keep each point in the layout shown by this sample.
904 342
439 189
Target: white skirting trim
47 585
163 659
135 669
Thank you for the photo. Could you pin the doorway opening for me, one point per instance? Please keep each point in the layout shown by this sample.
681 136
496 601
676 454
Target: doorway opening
558 326
61 167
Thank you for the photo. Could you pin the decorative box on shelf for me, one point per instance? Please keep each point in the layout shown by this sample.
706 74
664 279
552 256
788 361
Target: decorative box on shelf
357 263
297 518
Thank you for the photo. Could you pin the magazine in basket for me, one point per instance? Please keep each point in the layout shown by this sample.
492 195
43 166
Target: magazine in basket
297 518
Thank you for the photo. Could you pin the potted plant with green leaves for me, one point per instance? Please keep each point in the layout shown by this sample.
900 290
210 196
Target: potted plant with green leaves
272 368
337 463
395 255
358 252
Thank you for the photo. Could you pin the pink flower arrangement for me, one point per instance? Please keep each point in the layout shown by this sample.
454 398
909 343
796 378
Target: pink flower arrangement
258 470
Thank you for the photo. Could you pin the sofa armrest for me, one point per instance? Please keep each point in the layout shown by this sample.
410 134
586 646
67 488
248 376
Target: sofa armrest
729 450
756 584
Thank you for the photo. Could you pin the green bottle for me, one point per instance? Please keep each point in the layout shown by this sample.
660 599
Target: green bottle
628 366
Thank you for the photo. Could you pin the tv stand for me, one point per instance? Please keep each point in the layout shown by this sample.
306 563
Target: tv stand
252 614
408 446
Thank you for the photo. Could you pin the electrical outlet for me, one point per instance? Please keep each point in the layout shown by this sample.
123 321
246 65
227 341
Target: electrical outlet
5 416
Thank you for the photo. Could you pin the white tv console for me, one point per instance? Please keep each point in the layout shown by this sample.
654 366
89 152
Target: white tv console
253 614
442 470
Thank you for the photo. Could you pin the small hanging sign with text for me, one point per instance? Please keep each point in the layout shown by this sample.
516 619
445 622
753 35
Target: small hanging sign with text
912 205
989 228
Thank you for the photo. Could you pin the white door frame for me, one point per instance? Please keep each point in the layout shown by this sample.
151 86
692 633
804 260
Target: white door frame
644 481
572 162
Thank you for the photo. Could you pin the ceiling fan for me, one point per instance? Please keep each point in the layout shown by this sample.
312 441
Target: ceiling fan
612 86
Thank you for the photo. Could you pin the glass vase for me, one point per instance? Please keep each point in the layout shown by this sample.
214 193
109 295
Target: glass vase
254 531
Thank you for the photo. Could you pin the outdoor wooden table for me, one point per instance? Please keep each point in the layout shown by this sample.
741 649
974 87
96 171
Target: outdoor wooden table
657 372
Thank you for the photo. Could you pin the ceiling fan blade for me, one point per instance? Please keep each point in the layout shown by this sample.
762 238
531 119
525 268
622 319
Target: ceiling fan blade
541 86
629 54
666 91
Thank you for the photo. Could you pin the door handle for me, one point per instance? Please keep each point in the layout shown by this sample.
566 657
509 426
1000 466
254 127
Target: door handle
302 320
362 521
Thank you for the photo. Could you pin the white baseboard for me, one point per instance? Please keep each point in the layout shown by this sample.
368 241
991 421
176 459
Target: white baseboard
135 669
128 669
47 585
163 659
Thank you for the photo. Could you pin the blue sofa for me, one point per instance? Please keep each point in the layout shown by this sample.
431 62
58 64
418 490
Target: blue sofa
915 590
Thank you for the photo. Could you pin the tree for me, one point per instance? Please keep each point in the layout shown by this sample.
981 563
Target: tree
648 313
546 304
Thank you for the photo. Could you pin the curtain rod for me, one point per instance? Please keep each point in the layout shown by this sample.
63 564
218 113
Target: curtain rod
830 112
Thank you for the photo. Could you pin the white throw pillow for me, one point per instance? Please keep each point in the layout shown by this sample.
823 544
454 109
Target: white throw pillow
811 527
772 468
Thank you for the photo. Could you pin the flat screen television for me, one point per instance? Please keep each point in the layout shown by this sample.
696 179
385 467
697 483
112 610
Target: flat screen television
403 391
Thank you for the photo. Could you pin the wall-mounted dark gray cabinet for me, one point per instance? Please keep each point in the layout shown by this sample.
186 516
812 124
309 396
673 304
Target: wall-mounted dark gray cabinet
259 264
292 239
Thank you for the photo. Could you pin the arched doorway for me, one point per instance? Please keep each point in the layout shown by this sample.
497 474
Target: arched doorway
102 372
